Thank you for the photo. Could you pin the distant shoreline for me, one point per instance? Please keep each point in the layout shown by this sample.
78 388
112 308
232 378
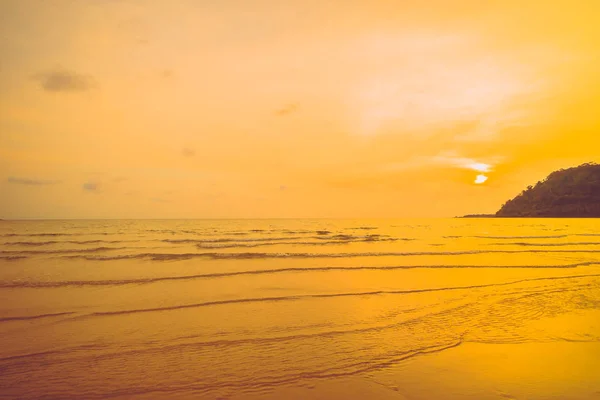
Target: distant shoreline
525 216
478 216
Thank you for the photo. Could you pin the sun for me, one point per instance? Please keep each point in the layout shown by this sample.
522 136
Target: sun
479 179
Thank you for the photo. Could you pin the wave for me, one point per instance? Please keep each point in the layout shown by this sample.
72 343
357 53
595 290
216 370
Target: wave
251 245
60 251
333 372
251 255
30 317
232 240
319 243
353 367
263 231
247 255
359 367
521 237
562 236
152 231
49 242
216 275
12 258
54 234
35 234
365 238
223 342
546 244
292 231
326 296
340 237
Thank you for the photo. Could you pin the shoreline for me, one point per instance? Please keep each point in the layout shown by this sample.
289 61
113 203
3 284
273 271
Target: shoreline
483 371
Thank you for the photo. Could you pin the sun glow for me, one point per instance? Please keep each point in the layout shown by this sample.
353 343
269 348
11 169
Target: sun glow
408 91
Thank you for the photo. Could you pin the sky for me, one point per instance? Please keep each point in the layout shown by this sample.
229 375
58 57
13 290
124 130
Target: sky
290 109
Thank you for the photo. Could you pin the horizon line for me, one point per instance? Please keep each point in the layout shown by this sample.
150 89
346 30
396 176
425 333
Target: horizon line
214 218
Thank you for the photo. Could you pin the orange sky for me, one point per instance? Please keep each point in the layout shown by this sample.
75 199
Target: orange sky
298 108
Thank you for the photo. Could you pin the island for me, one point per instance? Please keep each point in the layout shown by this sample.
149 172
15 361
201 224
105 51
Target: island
568 193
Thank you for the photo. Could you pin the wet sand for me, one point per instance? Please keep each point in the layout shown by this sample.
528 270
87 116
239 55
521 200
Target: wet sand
532 371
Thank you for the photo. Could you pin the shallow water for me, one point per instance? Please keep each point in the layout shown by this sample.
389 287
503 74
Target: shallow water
251 309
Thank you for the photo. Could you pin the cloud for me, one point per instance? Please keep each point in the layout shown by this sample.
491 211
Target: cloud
90 186
62 80
166 73
187 152
33 182
445 159
290 108
282 187
463 162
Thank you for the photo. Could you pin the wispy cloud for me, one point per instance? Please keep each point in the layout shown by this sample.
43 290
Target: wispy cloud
288 109
464 162
63 80
446 159
90 186
28 181
187 152
166 73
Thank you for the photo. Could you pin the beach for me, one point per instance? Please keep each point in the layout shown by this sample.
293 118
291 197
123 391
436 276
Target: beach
564 370
323 309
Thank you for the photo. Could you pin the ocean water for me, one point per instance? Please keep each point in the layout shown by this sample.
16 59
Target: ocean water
283 308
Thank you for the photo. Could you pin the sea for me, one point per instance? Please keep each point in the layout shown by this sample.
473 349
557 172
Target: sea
300 308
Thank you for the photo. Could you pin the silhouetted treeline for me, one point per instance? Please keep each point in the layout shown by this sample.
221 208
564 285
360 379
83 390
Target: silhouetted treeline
478 216
572 192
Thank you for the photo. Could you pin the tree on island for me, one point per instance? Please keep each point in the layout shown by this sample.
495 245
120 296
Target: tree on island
572 192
